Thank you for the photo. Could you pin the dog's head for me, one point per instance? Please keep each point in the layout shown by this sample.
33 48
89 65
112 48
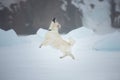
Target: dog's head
54 25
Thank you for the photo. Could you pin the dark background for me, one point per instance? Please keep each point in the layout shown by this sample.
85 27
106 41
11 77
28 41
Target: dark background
26 17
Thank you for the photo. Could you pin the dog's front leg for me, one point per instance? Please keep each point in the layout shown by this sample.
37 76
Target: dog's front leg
43 43
40 46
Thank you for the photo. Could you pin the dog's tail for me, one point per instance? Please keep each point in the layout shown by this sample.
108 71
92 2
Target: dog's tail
71 41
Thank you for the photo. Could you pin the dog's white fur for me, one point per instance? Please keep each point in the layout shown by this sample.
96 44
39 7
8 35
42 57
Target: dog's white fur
54 39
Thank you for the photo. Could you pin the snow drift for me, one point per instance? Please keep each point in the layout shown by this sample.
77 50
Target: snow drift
110 43
84 38
8 38
28 62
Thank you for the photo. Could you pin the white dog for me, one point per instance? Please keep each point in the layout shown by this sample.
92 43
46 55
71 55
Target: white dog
54 39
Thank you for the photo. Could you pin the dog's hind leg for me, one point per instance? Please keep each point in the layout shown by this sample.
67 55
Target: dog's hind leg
67 53
40 45
71 55
63 56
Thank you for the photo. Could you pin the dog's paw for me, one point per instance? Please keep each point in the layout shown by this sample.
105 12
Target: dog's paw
40 46
73 58
61 57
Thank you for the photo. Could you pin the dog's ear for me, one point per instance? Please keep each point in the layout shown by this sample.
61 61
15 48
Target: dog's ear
54 19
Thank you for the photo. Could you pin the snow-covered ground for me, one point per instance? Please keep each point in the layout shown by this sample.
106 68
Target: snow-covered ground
97 57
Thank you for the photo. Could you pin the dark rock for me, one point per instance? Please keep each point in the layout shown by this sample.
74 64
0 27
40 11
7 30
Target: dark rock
27 17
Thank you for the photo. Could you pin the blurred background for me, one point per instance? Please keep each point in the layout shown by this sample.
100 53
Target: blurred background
27 16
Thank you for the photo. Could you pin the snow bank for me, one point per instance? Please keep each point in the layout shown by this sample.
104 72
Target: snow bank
84 39
41 32
8 38
38 37
110 43
80 33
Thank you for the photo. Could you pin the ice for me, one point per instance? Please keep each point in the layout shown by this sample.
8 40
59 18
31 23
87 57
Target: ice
87 39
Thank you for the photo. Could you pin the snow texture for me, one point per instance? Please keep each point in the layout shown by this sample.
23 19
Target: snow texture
29 62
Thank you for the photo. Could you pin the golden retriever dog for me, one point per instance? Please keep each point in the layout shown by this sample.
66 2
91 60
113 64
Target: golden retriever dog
54 39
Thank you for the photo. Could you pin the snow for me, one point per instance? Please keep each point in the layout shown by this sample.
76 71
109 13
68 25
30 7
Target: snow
109 43
97 18
9 38
29 62
83 32
43 31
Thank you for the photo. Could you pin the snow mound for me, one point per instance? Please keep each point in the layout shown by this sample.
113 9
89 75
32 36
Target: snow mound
80 33
84 39
110 43
9 38
38 37
41 32
87 39
10 33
